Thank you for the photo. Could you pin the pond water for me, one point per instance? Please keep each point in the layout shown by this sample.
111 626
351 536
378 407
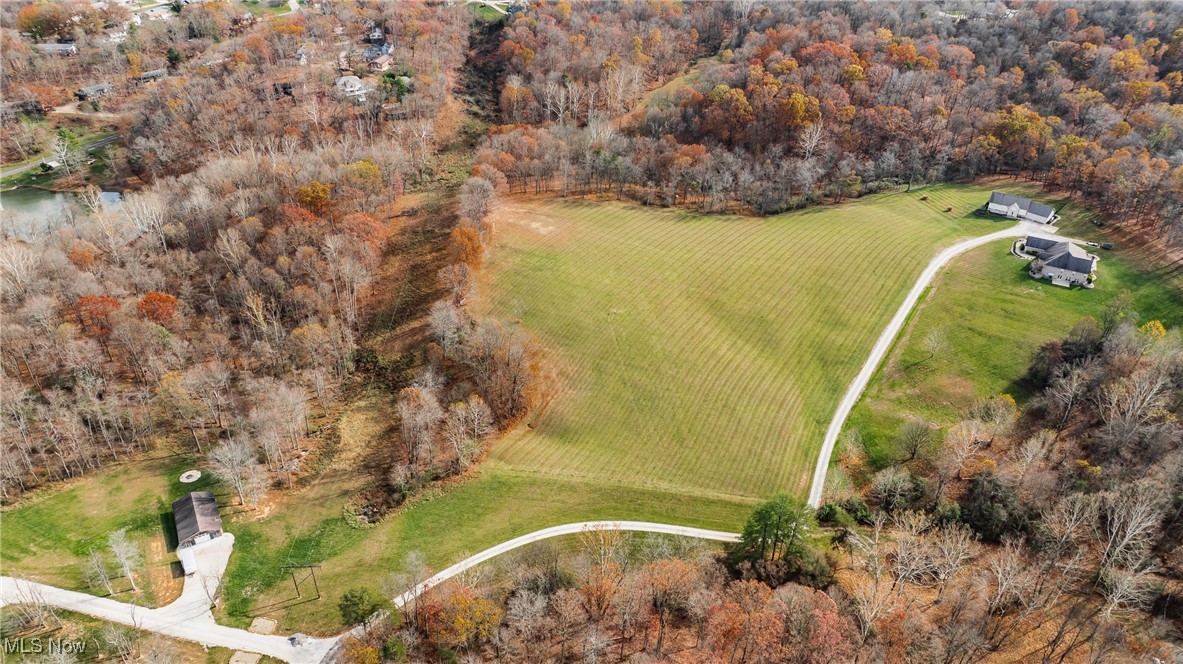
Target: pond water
27 211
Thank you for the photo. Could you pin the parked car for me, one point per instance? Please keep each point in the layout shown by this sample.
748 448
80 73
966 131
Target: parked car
1092 244
1107 245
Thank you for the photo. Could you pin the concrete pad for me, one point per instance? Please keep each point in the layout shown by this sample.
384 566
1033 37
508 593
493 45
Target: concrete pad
263 625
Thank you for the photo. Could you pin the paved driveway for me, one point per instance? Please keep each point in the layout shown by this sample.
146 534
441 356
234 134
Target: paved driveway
187 618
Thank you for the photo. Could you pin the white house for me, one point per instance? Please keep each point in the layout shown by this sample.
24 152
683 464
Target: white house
1020 208
57 49
352 86
1061 261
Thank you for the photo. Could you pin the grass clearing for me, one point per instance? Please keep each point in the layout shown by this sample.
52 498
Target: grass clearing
47 537
446 527
704 355
993 317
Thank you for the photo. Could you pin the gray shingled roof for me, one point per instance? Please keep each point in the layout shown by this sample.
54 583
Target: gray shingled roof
1061 254
1006 200
1025 204
196 513
97 88
1068 257
1040 243
1041 210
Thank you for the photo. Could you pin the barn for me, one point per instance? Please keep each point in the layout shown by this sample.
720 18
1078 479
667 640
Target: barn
196 517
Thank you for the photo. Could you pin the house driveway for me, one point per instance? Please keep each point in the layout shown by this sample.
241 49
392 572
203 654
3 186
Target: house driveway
188 618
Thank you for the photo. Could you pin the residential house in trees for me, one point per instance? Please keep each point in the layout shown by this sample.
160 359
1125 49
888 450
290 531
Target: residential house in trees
94 91
383 63
152 75
64 50
353 87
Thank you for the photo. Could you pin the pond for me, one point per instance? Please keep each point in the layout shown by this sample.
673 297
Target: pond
28 211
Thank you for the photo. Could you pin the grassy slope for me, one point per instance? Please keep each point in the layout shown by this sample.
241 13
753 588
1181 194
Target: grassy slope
704 355
993 317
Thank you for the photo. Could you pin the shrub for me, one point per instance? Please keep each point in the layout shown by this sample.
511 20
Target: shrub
832 513
357 605
394 650
990 508
811 569
947 512
857 508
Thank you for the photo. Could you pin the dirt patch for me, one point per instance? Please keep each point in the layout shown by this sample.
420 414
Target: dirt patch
163 575
263 625
955 389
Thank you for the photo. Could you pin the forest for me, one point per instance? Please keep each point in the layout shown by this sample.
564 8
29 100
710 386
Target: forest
787 104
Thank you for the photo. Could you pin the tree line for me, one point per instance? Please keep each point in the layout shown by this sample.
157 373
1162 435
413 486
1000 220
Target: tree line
790 103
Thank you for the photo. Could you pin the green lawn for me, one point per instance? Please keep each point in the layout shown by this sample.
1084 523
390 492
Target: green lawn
993 317
470 517
704 355
48 537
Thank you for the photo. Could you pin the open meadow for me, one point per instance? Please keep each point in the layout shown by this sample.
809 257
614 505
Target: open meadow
705 354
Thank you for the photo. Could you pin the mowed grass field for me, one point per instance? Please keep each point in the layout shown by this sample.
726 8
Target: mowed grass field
705 354
993 317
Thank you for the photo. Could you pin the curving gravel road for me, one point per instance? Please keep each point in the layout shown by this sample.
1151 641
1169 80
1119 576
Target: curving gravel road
883 344
555 531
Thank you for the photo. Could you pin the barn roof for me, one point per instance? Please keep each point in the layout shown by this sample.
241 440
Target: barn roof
196 513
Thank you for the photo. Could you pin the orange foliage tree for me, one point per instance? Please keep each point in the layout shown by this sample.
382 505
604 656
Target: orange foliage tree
94 312
466 247
158 308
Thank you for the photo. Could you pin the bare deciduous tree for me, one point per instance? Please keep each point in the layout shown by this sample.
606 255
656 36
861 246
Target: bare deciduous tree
94 570
419 414
127 554
233 462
